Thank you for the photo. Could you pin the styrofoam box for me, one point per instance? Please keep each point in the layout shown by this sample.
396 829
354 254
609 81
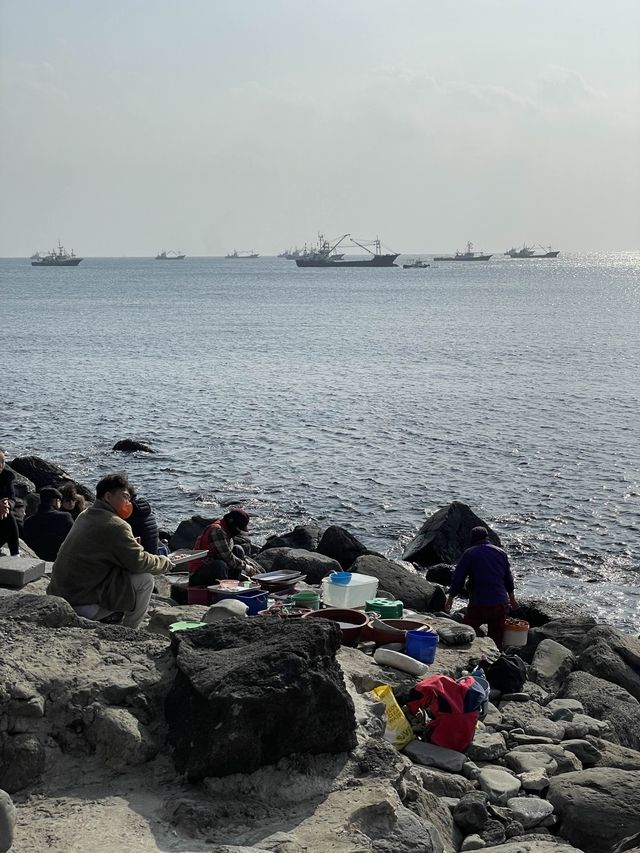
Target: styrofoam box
19 571
354 594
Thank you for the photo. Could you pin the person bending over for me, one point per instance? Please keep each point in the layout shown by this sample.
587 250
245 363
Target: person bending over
224 559
100 568
46 529
490 584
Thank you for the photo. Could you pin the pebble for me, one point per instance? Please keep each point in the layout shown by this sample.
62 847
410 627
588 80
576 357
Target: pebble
530 811
8 819
473 842
498 784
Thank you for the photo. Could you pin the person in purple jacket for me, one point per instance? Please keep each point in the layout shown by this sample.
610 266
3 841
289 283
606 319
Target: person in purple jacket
490 585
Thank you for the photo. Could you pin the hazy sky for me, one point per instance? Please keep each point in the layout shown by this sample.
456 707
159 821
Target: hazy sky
133 125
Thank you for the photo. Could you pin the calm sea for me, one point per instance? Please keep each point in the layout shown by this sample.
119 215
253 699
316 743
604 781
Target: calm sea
365 398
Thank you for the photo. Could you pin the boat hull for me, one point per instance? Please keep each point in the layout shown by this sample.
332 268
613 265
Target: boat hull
464 260
534 257
173 258
321 263
70 262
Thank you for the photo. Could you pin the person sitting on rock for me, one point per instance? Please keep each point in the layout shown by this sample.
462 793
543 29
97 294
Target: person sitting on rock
72 502
46 530
101 569
224 559
143 522
490 584
8 525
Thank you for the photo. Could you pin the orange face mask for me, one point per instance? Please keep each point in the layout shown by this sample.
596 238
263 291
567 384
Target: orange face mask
124 509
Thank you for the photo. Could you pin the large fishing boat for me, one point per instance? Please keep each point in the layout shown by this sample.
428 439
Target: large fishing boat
469 255
55 258
244 255
530 252
170 256
327 257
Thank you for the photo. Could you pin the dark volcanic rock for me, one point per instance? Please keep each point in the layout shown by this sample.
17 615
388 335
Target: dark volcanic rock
568 632
340 545
445 535
607 702
22 485
249 692
304 536
412 589
268 558
471 813
188 531
42 473
442 573
127 445
313 565
22 761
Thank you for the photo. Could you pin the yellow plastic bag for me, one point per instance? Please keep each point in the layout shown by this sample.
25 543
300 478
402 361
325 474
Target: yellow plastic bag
397 732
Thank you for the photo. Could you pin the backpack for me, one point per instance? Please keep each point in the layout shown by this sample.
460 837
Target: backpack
507 674
454 706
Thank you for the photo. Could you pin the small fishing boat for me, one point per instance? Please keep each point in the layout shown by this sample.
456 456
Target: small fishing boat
415 264
469 255
169 256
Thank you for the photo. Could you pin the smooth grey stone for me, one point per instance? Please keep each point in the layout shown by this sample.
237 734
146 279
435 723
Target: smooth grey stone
431 755
530 811
523 762
498 784
534 780
473 842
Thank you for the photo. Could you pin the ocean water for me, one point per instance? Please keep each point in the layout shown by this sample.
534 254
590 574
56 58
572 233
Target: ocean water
366 398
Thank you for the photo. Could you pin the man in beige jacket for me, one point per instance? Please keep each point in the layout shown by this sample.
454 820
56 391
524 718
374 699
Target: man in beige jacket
100 568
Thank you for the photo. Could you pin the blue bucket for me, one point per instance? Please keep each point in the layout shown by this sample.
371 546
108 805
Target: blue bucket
421 645
255 601
341 578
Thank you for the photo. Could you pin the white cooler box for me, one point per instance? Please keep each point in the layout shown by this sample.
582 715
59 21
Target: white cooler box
353 594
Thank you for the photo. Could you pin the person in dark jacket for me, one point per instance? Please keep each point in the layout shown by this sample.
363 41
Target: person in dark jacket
491 592
143 522
8 525
72 502
46 530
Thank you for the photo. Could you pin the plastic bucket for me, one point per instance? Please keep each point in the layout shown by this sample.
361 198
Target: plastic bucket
421 645
309 600
516 632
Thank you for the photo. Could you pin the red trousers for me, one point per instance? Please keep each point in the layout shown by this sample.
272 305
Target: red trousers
491 615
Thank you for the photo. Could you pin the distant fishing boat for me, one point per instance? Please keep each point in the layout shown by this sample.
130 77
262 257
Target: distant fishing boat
469 255
529 252
291 254
56 258
244 255
170 256
326 256
416 264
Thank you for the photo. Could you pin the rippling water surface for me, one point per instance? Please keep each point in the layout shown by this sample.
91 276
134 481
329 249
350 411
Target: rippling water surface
366 398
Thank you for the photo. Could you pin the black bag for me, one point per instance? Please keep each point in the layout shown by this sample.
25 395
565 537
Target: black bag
507 674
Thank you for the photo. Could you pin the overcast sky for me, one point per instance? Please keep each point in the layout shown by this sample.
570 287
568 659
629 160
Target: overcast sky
133 125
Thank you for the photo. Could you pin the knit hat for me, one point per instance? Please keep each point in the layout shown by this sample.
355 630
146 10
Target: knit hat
479 534
239 518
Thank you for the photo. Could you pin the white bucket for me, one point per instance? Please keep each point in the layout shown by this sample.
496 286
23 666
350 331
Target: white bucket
516 632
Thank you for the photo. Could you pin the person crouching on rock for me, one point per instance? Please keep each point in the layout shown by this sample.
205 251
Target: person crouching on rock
224 559
491 591
100 568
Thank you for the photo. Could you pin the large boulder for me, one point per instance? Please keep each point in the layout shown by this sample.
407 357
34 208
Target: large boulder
551 664
188 531
606 702
42 473
533 844
128 445
304 536
614 755
68 685
568 632
445 535
340 545
613 656
412 589
249 692
314 566
596 808
267 558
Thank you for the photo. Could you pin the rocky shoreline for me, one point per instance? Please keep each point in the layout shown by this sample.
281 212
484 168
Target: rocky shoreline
262 734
